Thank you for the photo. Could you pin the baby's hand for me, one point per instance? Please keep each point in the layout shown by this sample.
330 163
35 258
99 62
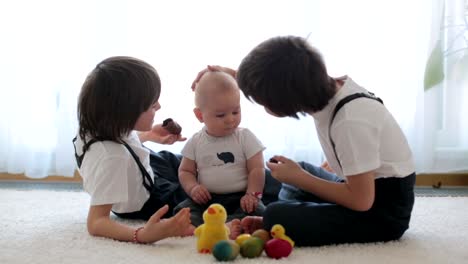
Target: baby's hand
200 194
249 203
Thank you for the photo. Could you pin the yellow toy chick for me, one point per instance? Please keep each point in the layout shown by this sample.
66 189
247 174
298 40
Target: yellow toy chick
277 231
213 229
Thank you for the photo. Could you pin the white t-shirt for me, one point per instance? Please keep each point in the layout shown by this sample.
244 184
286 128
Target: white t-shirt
222 161
366 136
111 175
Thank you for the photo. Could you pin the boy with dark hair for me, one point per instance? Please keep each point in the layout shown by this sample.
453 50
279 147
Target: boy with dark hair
368 195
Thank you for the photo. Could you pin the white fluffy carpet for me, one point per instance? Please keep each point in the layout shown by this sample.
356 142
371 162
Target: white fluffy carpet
41 226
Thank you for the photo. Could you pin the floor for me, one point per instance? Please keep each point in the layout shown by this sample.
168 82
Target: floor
419 190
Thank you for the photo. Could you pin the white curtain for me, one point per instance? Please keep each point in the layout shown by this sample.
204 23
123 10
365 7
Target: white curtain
444 145
48 47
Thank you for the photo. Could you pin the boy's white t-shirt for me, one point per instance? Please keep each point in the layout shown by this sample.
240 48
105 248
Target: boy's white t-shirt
111 175
222 161
366 136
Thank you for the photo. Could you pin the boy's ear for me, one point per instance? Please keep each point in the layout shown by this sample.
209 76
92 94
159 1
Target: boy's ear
198 114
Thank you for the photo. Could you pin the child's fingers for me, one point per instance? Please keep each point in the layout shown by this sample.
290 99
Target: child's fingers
324 164
281 159
247 204
198 196
159 213
183 217
272 166
205 195
181 138
199 75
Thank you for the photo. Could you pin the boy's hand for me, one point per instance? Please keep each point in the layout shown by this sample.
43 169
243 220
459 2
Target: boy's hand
285 170
160 135
212 68
200 194
157 228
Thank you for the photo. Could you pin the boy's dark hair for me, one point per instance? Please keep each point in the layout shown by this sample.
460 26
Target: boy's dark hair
114 95
287 76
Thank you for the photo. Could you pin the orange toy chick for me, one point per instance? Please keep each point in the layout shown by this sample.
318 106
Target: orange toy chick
213 229
277 231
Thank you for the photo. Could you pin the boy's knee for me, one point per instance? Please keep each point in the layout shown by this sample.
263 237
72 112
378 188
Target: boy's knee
273 214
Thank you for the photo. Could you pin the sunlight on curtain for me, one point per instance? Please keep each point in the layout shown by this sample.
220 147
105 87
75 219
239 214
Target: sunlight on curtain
446 104
49 47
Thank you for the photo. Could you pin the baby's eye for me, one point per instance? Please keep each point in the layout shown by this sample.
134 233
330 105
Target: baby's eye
220 115
235 113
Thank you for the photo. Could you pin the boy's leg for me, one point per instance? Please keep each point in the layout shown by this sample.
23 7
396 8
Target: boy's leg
165 167
165 164
316 224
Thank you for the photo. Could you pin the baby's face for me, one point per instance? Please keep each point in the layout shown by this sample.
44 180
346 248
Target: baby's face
222 114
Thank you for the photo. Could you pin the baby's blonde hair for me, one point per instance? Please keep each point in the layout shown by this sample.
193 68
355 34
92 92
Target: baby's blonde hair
212 83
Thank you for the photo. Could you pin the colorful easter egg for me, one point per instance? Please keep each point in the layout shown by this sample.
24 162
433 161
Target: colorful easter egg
252 247
262 234
278 248
226 250
241 238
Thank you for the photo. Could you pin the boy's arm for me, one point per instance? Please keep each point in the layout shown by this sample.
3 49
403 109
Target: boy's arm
100 224
357 193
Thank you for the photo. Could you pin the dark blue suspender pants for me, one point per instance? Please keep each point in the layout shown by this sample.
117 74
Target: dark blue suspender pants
310 221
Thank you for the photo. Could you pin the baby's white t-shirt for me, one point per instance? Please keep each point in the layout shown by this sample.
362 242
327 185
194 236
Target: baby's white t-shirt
222 161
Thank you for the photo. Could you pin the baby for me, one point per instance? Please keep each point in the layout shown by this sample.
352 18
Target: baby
222 163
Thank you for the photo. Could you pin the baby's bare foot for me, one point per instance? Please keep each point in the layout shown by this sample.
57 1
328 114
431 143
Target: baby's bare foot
234 228
251 223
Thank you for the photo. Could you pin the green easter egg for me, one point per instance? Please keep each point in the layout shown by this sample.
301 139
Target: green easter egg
252 247
225 250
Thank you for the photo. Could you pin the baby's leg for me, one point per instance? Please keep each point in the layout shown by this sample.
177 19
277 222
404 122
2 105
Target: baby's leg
234 228
251 223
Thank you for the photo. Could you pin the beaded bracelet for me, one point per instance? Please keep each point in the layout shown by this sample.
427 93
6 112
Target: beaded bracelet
135 238
257 195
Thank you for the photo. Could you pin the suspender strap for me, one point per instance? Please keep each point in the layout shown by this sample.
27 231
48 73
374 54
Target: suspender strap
79 158
147 181
340 104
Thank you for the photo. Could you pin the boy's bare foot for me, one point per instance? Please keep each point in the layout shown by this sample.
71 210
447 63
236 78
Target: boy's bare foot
251 223
234 228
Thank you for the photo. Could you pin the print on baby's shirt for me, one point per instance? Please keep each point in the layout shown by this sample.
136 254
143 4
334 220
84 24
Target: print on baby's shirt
226 157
